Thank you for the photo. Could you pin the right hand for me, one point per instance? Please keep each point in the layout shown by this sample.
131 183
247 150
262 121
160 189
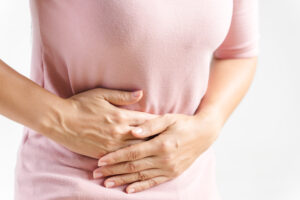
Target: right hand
92 126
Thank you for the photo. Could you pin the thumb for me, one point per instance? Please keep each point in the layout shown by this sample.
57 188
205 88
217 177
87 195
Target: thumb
118 97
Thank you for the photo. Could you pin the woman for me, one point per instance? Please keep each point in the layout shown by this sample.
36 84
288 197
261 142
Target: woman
128 96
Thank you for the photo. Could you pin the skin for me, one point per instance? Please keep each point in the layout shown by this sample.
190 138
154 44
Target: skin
88 123
179 139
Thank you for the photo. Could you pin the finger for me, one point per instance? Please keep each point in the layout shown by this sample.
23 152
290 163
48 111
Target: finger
130 153
153 126
126 167
119 97
132 142
146 184
124 133
133 177
136 117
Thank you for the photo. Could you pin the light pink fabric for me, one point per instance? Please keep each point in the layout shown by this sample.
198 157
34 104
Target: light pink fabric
162 47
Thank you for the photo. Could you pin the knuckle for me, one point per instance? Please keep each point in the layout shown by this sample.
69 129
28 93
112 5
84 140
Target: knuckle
119 116
104 171
120 180
170 166
131 167
174 171
165 147
109 145
170 145
142 176
108 170
132 155
116 130
152 182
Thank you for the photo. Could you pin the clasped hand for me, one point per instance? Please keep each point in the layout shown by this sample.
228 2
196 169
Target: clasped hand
177 141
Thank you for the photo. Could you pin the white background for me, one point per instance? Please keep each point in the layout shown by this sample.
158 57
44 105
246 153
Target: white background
258 149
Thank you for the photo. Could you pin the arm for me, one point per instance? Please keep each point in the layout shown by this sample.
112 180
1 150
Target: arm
24 101
228 83
86 123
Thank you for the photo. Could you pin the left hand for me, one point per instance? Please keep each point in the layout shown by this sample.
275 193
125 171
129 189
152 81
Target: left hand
181 140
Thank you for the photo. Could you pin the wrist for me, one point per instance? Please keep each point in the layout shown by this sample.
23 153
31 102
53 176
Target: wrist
211 120
51 120
210 113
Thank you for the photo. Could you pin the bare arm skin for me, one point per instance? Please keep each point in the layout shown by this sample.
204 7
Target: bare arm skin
24 101
87 123
229 81
180 139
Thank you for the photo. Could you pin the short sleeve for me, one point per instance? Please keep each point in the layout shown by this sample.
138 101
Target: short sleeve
242 39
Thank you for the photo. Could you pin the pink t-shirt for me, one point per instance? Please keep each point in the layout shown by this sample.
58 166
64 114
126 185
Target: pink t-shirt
161 47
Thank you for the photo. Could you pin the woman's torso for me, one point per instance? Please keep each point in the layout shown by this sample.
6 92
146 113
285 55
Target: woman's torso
161 47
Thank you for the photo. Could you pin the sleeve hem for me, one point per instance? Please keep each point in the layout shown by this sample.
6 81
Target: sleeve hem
245 53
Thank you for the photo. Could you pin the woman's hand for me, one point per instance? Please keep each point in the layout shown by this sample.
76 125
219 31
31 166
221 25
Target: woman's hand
183 138
89 123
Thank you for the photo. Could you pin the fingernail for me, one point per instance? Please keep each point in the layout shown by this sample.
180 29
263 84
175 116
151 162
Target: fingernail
136 93
109 184
101 163
138 130
131 190
97 174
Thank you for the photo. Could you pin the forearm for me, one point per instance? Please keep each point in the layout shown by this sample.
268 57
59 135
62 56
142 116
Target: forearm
229 81
24 101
